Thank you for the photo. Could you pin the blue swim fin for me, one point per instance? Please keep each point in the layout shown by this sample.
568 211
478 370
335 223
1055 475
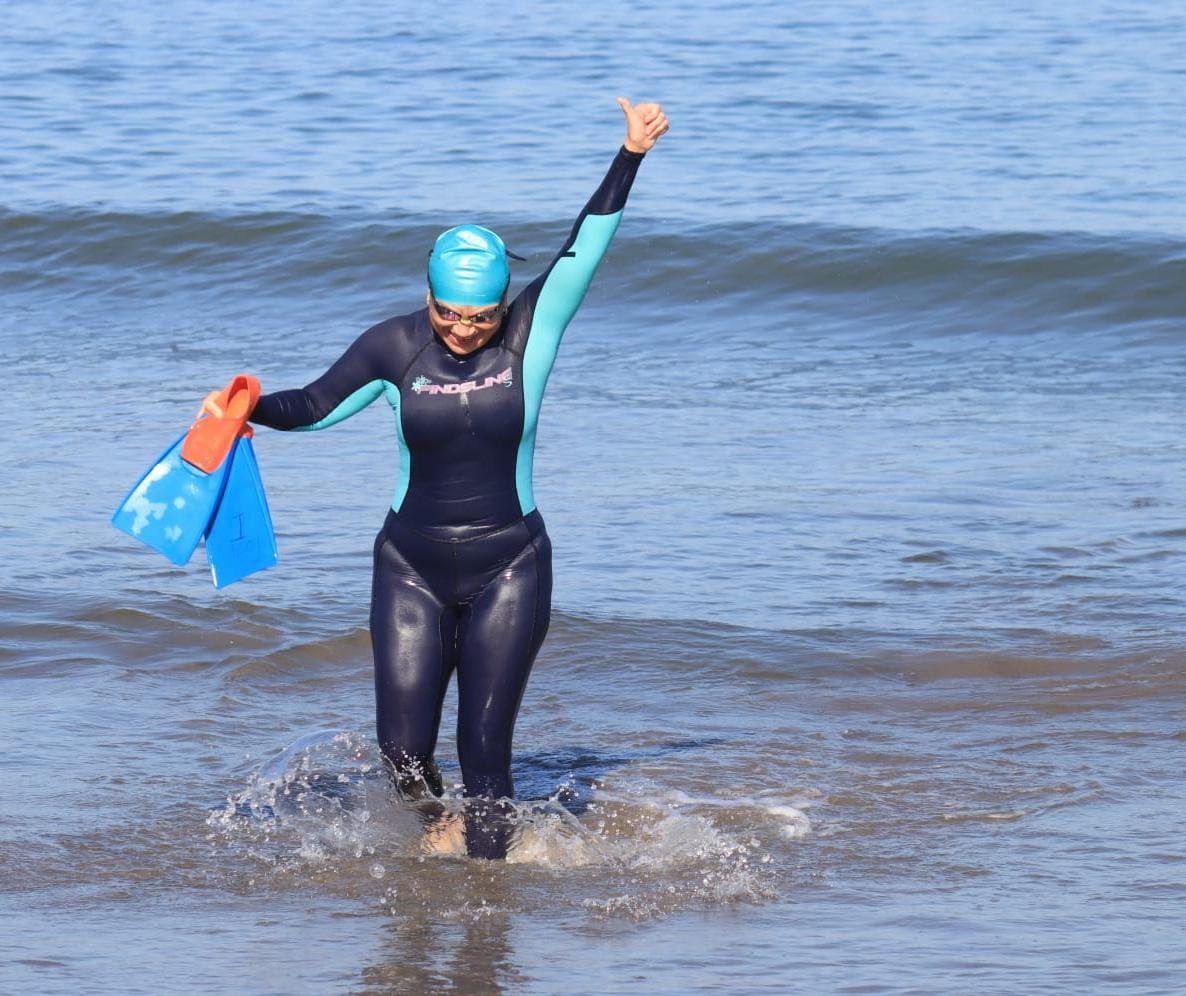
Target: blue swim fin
171 506
240 540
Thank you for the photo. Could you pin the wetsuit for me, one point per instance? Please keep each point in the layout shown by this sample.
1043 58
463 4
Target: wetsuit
463 573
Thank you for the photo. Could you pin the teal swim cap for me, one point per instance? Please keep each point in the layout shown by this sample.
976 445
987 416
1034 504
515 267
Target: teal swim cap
469 266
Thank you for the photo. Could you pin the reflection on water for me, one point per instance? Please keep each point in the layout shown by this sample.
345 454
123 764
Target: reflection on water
474 954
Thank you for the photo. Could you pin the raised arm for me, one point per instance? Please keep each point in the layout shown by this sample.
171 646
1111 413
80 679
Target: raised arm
560 289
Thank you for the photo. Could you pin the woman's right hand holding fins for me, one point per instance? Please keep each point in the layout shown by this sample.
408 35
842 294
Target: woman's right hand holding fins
237 399
210 406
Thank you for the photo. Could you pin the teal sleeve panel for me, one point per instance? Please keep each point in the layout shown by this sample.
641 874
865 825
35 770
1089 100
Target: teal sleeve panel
405 455
559 297
352 404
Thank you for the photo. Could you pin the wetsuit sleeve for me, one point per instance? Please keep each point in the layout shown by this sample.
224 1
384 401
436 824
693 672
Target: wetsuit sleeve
558 292
352 383
553 298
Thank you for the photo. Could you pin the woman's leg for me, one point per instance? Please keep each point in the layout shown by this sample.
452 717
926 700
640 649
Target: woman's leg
414 638
500 636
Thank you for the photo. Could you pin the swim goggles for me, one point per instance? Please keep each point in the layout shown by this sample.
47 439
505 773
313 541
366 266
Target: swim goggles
456 318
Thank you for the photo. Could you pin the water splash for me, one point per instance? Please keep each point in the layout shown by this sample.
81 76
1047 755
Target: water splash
324 807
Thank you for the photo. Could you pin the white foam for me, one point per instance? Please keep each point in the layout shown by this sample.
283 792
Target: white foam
324 805
790 811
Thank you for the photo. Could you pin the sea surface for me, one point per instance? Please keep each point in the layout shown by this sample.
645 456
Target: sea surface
863 462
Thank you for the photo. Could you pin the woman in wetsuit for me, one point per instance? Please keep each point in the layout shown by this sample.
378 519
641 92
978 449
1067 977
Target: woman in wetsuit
463 575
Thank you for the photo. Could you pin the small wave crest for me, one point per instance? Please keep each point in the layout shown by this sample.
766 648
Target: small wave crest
932 283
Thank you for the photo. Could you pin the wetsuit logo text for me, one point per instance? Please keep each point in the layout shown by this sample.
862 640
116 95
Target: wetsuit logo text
422 385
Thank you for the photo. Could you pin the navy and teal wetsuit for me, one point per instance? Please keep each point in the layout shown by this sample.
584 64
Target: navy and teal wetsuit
463 572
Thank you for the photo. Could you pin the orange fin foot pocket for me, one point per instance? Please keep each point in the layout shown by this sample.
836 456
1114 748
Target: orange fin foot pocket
209 440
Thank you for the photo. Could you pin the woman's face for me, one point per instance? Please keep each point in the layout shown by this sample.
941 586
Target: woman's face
464 328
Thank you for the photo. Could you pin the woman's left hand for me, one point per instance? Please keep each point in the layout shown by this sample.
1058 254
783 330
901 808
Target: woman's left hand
644 124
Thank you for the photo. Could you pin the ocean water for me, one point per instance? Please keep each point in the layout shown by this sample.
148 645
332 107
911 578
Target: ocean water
862 462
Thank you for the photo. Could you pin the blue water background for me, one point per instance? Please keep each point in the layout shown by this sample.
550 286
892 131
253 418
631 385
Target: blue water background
863 463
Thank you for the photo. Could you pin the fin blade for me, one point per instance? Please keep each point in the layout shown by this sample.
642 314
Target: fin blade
170 507
241 540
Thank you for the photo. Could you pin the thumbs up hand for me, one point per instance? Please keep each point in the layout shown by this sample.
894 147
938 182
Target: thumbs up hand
644 124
